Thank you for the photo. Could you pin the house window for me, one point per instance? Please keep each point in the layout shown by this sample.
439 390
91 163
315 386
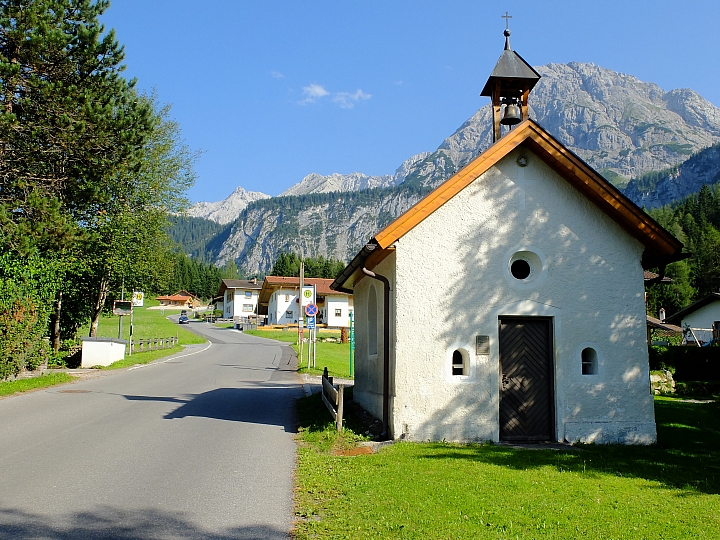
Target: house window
288 314
248 294
459 362
230 296
287 297
589 361
338 312
372 322
247 308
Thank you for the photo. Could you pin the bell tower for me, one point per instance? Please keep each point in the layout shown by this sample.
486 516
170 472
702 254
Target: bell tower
509 85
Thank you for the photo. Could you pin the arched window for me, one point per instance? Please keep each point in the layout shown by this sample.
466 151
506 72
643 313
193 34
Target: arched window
459 363
589 361
372 322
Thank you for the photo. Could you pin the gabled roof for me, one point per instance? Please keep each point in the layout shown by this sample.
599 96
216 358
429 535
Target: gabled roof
678 317
657 324
273 283
239 284
661 247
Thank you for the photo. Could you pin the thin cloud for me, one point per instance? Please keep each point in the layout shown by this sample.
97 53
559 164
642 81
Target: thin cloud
347 100
313 92
277 75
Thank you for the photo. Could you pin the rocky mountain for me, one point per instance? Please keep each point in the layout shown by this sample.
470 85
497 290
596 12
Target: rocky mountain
620 125
316 183
227 210
623 127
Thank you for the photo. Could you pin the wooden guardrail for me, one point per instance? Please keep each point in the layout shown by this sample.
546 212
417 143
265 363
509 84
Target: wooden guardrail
153 344
333 398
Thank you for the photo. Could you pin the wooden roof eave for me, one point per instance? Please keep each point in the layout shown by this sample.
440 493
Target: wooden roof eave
368 257
662 245
604 195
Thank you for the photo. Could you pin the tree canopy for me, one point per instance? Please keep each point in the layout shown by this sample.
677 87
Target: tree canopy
89 170
288 264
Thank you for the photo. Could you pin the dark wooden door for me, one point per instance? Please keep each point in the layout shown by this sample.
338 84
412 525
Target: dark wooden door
526 388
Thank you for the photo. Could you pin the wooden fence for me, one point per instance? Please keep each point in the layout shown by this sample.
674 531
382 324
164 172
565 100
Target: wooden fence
153 344
333 399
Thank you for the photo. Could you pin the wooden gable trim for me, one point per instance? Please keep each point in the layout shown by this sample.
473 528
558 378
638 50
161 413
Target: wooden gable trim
573 169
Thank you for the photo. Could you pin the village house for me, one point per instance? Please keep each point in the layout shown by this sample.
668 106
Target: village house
532 325
279 299
179 300
240 298
699 319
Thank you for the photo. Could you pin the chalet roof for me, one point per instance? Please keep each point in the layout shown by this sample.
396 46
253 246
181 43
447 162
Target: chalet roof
273 283
226 284
657 324
176 297
678 317
661 247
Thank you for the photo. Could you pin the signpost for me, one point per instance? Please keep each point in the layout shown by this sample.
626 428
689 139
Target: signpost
311 310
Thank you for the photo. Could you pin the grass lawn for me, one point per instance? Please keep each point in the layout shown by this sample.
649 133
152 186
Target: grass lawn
147 323
33 383
336 356
443 490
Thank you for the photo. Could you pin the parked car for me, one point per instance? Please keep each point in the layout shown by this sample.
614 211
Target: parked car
183 319
183 312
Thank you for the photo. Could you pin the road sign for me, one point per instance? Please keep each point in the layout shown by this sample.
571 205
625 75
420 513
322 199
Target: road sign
138 297
122 307
311 310
308 295
311 323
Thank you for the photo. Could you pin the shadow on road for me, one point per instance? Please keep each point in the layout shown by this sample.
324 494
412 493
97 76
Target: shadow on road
110 523
267 405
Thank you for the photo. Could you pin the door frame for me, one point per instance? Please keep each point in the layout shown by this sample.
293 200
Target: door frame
552 368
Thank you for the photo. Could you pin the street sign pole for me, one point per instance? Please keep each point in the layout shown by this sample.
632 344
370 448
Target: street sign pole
315 329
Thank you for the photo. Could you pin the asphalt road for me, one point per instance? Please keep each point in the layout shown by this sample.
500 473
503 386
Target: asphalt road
198 446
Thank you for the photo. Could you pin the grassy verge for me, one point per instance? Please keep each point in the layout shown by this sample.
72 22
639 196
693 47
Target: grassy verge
443 490
23 385
147 323
336 356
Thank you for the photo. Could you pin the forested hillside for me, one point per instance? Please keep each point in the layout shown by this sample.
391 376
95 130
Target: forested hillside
696 222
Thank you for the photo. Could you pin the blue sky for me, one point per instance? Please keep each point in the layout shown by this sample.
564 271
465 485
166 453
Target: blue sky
271 91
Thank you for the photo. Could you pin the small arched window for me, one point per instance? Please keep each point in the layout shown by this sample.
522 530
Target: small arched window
589 361
460 363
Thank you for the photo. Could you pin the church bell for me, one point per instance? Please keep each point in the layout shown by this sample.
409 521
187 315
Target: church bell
512 113
509 85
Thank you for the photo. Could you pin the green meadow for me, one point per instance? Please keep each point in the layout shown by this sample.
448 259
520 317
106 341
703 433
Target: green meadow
443 490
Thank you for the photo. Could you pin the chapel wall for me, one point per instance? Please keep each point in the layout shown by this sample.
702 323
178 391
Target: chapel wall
454 283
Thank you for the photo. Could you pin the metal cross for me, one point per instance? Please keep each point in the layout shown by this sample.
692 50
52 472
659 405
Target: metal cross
507 20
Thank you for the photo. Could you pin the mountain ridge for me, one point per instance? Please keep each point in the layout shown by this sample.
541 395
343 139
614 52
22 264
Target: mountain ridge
621 126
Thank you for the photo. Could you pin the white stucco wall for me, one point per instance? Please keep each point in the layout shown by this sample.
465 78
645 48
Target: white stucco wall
332 303
241 300
369 367
703 317
588 279
101 351
278 305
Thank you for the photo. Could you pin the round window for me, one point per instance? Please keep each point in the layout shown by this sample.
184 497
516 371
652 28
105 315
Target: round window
525 268
520 269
